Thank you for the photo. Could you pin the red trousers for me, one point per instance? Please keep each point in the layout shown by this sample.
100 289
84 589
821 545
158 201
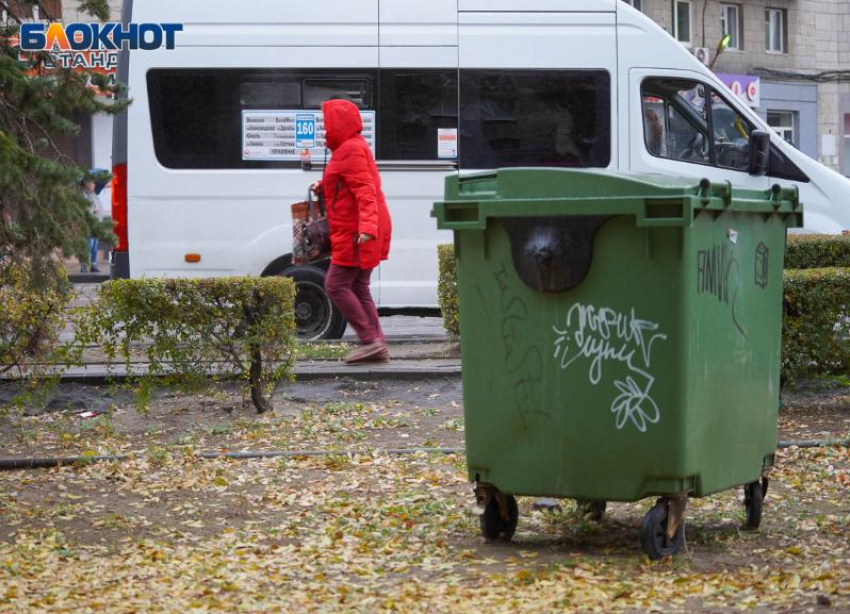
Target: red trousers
348 288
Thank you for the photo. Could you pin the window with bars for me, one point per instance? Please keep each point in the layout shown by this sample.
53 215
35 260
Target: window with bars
638 4
782 123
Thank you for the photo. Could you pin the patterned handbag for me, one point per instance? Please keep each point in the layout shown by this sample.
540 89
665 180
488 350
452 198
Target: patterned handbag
311 238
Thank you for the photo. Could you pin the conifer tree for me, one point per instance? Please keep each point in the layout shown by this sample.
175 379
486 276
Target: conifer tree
44 215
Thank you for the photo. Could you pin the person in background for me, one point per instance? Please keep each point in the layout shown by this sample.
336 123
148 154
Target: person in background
96 209
360 227
105 215
654 132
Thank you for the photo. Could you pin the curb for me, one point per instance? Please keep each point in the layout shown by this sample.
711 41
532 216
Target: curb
88 278
308 373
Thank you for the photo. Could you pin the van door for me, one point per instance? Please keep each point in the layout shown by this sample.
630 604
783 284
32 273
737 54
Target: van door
682 126
417 141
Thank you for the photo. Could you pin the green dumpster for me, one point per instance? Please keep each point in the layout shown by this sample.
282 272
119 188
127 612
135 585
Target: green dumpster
620 339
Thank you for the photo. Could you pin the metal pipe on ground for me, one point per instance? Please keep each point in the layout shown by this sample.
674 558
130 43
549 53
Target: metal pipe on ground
17 464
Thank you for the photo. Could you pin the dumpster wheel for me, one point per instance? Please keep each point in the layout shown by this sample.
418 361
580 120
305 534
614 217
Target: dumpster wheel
754 503
500 517
655 535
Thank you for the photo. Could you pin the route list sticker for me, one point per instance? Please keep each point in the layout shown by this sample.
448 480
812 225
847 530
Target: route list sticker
282 135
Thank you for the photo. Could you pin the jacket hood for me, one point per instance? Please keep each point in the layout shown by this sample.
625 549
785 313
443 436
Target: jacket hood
342 121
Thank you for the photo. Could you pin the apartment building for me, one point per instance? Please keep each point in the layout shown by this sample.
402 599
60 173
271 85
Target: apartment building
788 59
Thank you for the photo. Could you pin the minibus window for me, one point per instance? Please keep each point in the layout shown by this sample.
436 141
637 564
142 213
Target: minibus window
418 107
285 95
316 92
731 135
686 140
675 121
781 167
199 116
535 118
183 108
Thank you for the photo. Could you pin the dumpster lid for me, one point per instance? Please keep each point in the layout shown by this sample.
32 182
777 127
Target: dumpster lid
656 200
547 182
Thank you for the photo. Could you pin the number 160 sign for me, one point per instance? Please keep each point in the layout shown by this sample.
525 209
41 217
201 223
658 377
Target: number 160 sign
305 131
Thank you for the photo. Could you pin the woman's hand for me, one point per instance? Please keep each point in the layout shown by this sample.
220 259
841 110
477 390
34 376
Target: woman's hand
364 238
316 187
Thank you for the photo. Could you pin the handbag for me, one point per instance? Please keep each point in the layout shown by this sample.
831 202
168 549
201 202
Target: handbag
311 237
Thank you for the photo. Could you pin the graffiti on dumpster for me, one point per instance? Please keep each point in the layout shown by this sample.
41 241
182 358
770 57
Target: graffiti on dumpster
523 363
762 265
718 274
604 336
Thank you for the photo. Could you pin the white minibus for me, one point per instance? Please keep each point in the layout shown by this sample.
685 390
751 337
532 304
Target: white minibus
210 154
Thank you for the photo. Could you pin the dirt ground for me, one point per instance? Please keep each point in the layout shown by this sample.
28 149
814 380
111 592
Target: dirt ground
372 532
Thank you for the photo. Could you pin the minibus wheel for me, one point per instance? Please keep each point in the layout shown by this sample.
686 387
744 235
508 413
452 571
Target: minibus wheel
316 317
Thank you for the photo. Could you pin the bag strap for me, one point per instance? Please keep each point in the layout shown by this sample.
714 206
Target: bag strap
313 202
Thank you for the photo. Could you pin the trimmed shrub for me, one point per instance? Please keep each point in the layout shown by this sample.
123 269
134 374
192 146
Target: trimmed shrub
816 323
447 288
242 327
817 251
30 321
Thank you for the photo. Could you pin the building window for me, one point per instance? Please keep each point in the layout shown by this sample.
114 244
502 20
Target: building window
638 4
682 21
730 23
776 30
782 123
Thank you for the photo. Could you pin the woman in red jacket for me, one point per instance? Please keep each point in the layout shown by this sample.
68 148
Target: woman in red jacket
360 226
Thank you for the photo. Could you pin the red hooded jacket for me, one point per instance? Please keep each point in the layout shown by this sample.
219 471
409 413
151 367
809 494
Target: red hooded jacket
352 189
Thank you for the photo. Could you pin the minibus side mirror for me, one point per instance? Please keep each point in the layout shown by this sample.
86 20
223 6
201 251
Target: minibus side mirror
759 152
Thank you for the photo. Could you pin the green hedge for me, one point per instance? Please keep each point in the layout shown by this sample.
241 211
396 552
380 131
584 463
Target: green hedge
30 321
447 288
817 251
240 326
815 329
815 326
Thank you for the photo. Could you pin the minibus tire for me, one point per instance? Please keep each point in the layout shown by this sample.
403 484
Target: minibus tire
316 317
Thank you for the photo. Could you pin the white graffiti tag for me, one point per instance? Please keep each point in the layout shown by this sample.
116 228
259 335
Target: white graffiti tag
604 335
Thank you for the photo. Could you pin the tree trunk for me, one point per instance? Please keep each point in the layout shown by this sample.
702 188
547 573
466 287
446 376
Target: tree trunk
255 376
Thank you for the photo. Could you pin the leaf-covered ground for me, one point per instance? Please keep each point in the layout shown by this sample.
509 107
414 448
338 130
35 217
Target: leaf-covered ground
371 532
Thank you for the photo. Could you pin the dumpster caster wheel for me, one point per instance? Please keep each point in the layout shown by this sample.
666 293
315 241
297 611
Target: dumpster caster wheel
754 503
654 537
592 510
495 523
